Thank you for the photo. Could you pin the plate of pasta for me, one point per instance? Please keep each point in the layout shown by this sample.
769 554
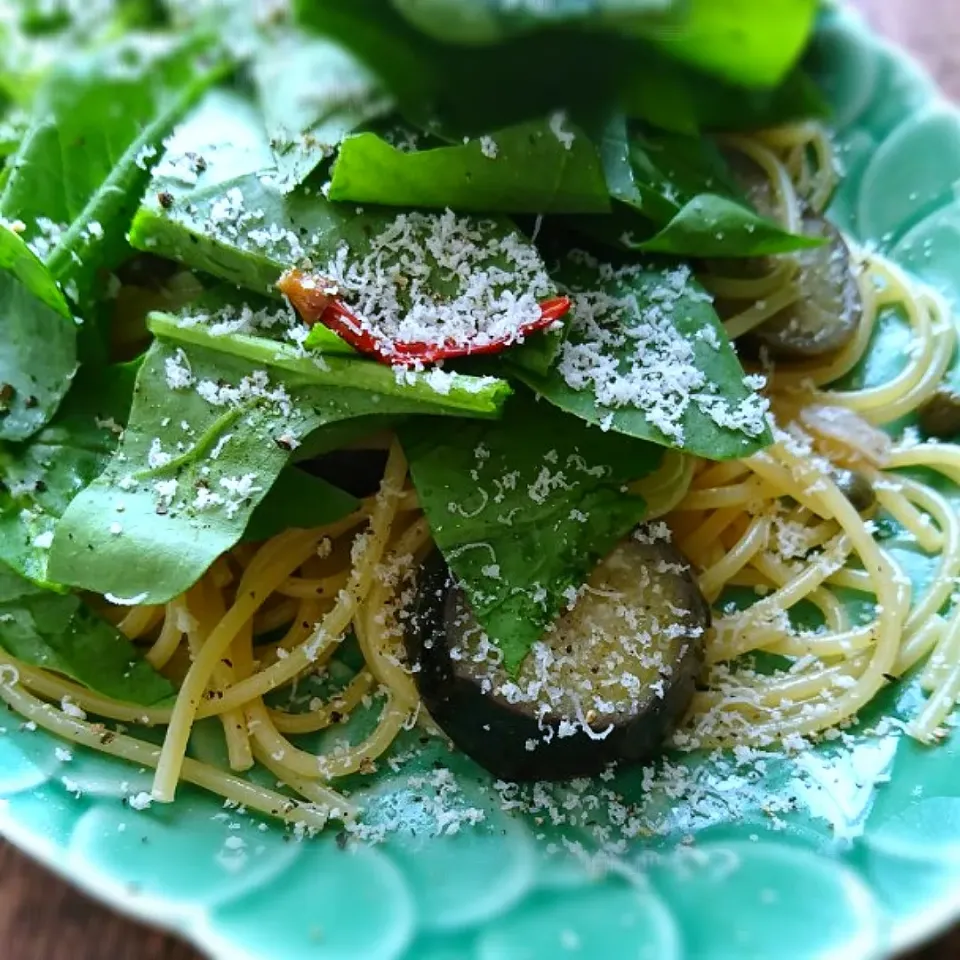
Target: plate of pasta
481 479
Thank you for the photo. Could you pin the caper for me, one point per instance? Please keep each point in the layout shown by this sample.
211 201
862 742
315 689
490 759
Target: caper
940 415
856 488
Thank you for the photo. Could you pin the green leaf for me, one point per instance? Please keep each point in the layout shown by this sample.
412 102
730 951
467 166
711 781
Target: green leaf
211 428
39 477
61 633
679 197
72 186
460 91
436 390
754 43
523 508
674 97
231 220
98 120
490 21
42 34
381 39
646 355
298 499
39 338
312 92
535 167
713 226
751 42
13 128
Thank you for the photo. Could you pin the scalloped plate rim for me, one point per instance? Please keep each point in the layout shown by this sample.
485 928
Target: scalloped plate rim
157 912
195 922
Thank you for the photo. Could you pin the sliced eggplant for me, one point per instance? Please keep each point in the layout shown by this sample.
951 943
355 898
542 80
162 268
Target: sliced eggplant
828 311
826 315
606 683
940 415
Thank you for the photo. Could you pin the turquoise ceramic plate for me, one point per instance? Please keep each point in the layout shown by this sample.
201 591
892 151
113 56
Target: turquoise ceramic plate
851 851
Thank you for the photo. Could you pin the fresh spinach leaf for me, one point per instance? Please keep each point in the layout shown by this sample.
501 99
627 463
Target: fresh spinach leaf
226 216
374 32
437 391
40 476
298 499
490 21
36 36
754 43
714 226
39 337
536 167
70 190
212 426
646 355
678 197
13 127
312 92
99 119
676 164
222 309
471 90
61 633
523 508
674 97
343 433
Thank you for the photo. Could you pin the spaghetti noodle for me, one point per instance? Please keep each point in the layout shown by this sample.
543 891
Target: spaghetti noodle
776 524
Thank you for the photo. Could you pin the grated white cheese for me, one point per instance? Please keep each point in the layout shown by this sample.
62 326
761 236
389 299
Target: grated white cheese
497 282
633 356
257 386
47 237
179 376
139 801
206 499
165 490
220 444
156 457
489 148
241 489
566 137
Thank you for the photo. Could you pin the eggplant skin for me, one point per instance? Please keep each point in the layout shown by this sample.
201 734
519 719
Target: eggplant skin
829 310
499 734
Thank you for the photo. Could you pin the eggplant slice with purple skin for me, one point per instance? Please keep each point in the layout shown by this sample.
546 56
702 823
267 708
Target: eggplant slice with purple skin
607 683
826 314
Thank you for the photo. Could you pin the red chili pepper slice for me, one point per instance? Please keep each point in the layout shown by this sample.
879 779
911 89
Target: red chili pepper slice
315 300
342 322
